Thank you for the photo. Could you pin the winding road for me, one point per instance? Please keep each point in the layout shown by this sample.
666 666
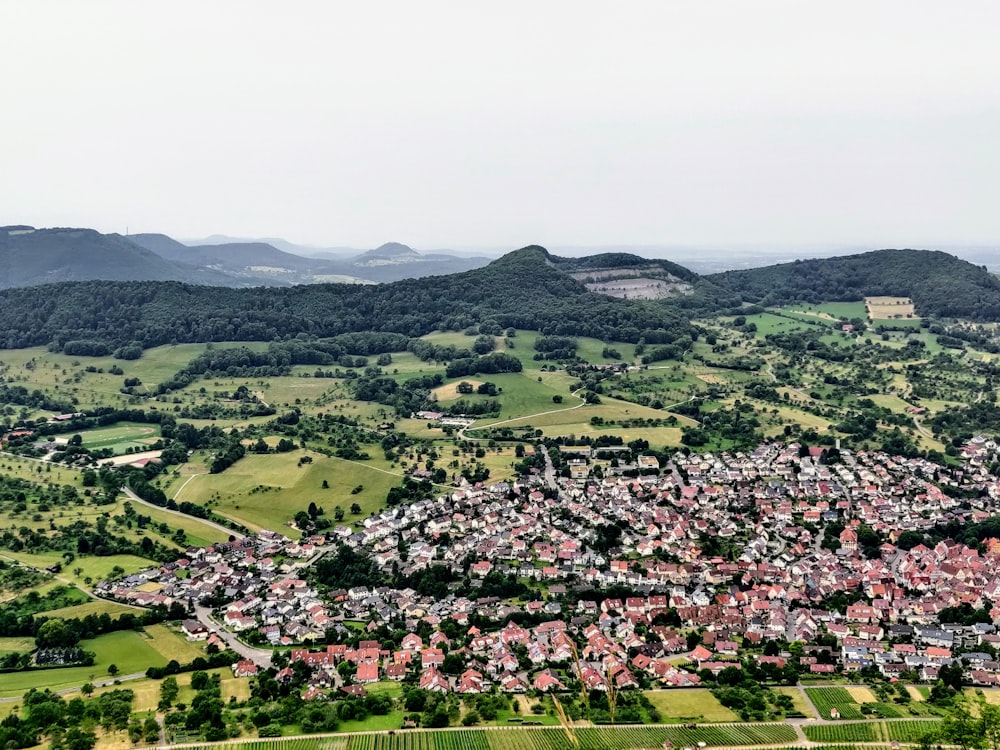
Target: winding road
218 527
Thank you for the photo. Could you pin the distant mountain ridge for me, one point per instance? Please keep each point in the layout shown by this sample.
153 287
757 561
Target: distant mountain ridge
30 256
940 284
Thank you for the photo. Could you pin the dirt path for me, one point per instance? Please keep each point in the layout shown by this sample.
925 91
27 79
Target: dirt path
462 433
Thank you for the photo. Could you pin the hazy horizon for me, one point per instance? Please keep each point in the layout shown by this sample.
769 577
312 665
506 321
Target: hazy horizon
777 125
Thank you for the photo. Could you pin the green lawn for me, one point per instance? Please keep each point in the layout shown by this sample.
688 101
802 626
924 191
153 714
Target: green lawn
120 436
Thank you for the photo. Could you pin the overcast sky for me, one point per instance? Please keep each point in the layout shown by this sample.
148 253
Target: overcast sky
471 124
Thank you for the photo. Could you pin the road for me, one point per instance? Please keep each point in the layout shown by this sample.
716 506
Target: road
259 656
219 527
550 470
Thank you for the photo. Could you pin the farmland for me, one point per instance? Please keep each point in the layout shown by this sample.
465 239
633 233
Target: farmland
541 738
689 706
127 650
844 733
828 698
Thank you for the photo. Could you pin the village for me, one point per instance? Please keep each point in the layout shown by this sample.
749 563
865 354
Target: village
721 554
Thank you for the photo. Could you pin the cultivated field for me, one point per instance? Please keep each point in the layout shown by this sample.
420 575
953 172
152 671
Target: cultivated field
890 308
541 738
689 705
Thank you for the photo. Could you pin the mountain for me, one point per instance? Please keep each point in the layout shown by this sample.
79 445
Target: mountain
263 262
30 256
523 289
394 261
939 284
306 251
611 296
390 252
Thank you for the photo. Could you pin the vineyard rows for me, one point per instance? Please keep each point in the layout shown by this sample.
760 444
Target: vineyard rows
910 731
826 698
870 731
632 737
846 733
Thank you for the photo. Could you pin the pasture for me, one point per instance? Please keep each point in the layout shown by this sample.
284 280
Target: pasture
127 650
266 491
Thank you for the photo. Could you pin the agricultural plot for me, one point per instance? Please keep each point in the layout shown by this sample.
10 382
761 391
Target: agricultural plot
912 730
689 705
846 732
632 737
16 645
833 310
889 308
827 698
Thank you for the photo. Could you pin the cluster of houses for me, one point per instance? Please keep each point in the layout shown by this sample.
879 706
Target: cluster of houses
258 578
730 545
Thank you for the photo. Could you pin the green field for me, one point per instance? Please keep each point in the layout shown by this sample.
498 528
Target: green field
266 491
130 651
121 436
835 309
686 705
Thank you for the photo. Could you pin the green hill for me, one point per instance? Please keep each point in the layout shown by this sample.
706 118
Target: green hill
939 284
31 256
521 290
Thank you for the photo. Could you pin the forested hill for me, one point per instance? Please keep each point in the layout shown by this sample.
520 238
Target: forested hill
939 284
618 261
39 256
521 290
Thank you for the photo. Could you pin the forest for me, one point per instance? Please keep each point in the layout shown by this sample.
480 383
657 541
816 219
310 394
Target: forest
940 285
520 290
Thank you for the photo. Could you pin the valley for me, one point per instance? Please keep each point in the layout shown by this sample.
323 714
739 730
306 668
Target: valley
500 498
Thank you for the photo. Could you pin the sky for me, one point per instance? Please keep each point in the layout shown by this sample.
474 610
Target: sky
497 125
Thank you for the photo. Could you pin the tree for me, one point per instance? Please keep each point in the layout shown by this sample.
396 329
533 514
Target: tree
56 633
960 728
355 508
78 739
168 691
112 669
